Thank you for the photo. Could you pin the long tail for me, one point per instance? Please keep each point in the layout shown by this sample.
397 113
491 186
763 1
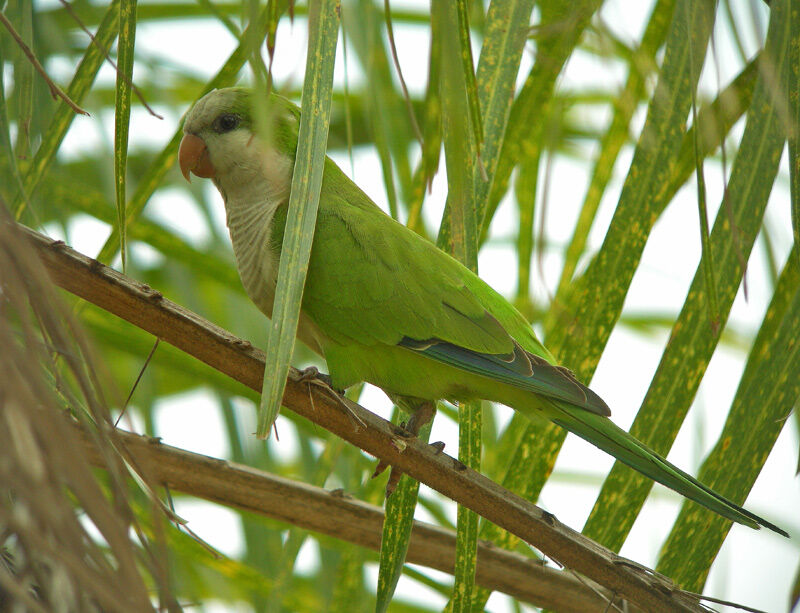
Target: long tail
603 433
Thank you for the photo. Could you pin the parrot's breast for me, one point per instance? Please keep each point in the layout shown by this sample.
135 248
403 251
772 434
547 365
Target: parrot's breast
250 205
255 258
253 187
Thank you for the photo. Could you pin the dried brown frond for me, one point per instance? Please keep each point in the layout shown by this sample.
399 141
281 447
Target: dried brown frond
64 529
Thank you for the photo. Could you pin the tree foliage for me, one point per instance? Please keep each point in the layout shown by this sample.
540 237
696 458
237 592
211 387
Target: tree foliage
495 113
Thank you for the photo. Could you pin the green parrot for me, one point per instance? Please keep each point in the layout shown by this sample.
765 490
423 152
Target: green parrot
383 305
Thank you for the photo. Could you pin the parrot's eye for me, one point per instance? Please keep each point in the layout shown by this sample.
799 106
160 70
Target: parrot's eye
226 123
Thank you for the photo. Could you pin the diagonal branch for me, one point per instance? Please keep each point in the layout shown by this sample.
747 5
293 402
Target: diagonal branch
148 309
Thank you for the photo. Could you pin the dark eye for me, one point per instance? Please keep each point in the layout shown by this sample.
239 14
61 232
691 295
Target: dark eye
226 123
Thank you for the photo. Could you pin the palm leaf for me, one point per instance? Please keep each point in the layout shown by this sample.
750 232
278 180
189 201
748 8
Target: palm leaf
508 129
306 183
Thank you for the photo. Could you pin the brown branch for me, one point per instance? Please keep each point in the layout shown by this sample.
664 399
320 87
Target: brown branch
149 310
55 90
336 514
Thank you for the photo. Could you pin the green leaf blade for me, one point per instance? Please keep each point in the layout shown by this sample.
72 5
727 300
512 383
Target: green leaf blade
770 385
62 118
641 65
693 340
579 342
768 390
303 204
458 95
8 149
562 22
498 66
469 453
793 101
122 115
23 77
642 194
395 537
469 71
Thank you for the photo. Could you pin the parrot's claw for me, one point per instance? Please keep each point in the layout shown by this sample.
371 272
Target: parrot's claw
438 447
402 435
312 376
382 465
396 473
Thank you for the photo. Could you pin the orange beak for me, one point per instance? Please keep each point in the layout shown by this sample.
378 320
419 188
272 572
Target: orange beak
193 157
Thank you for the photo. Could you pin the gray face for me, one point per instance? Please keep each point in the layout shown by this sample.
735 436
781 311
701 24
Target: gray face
208 109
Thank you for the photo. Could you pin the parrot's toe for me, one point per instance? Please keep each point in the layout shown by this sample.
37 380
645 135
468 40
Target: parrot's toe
311 374
396 473
403 434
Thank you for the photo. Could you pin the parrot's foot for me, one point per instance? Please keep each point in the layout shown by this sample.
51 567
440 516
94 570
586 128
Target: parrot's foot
408 431
312 376
396 473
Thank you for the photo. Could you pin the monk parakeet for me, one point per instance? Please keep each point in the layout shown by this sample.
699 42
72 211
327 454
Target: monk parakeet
383 305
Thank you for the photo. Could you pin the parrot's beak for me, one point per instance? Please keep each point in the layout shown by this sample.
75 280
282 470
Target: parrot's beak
193 157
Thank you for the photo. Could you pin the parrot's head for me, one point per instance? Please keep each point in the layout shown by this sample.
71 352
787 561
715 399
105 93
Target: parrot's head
220 139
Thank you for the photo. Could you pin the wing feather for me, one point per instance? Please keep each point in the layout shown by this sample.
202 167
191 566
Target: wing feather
390 287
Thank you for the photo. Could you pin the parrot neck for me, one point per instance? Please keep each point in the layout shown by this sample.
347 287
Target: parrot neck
256 193
253 190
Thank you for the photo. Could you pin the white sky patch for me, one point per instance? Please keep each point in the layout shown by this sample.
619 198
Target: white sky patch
192 421
144 255
218 526
87 234
175 209
307 560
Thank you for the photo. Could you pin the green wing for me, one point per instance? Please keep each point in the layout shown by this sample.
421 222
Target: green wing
372 280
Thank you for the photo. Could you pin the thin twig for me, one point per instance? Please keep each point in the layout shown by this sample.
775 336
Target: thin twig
348 121
185 526
55 90
597 591
104 51
138 378
387 13
727 603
